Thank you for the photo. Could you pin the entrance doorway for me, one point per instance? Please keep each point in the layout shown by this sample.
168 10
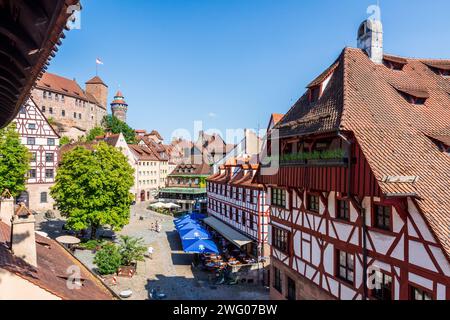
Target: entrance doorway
142 196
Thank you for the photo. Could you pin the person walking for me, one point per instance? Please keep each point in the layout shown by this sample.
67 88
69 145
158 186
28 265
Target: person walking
150 252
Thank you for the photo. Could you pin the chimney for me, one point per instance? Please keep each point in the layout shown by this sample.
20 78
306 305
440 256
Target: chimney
6 207
23 240
370 39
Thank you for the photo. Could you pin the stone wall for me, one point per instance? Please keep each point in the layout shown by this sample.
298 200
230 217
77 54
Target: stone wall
34 191
305 289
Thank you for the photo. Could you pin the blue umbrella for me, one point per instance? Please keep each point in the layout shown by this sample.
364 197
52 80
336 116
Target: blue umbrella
200 246
189 226
197 216
185 221
195 234
182 219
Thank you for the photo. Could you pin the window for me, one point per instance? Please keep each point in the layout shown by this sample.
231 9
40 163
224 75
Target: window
343 210
63 113
382 217
313 203
314 93
291 294
49 173
251 223
43 109
50 141
44 197
420 295
277 283
31 141
74 115
32 126
56 97
280 239
79 116
49 157
49 94
244 219
383 286
345 266
32 174
50 110
33 157
44 94
279 198
63 98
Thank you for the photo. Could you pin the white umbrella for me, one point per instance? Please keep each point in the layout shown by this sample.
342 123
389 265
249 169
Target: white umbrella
171 206
158 205
68 240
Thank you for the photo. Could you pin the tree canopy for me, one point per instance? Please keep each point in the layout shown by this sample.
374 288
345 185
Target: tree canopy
14 161
114 125
92 188
95 132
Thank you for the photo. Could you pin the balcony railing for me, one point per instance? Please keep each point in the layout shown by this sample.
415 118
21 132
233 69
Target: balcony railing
328 158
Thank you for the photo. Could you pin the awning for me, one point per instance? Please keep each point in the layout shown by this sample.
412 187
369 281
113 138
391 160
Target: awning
229 233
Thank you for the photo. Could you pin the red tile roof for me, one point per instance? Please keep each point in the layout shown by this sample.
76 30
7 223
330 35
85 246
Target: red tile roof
51 273
363 98
143 153
276 117
96 80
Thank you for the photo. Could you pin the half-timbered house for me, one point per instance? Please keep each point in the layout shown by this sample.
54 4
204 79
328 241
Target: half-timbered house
359 199
42 141
237 203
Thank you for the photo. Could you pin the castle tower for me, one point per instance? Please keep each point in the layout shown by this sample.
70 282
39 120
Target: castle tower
119 107
99 90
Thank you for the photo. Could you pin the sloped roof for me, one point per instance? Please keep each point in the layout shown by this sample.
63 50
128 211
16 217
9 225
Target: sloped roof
51 274
393 134
143 153
96 80
54 82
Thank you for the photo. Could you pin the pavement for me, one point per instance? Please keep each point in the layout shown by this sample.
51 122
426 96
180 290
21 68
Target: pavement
170 271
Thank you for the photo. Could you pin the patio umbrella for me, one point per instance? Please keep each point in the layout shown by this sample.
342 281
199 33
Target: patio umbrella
197 216
195 234
171 206
200 246
188 226
68 240
158 205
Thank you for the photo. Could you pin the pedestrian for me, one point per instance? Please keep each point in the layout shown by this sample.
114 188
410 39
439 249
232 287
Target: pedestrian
150 252
152 227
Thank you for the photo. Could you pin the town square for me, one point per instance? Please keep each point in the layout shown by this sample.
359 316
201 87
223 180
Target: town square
224 151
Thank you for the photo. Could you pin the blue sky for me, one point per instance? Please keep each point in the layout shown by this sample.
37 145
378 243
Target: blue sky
231 63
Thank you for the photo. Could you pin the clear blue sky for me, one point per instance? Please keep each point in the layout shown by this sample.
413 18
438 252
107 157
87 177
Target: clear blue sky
231 63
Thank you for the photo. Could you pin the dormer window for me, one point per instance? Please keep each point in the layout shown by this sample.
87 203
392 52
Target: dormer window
414 96
314 93
440 68
394 63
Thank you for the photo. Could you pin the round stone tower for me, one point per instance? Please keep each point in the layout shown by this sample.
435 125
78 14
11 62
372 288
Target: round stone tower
119 107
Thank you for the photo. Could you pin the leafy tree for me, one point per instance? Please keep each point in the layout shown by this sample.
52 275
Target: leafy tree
92 188
63 141
14 161
108 259
114 125
131 249
95 132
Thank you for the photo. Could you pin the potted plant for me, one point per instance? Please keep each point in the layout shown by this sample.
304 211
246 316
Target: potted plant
131 251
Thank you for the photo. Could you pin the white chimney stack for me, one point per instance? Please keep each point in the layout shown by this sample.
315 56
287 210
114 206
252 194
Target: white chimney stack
370 39
23 239
6 207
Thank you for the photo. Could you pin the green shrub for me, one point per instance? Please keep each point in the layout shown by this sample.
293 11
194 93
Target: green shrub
108 259
92 244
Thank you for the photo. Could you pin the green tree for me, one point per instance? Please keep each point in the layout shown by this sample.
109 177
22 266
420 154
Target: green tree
132 250
108 259
95 132
114 125
14 161
63 141
92 188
